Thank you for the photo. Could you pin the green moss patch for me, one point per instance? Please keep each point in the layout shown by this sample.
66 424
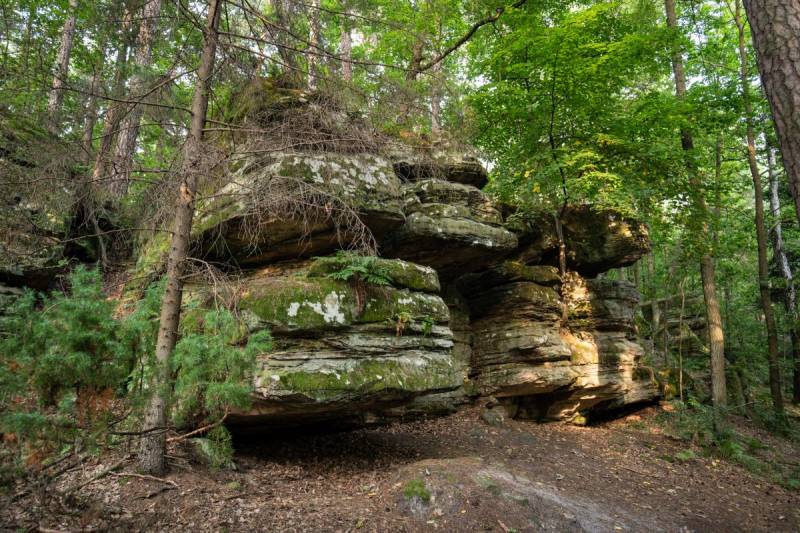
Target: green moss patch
354 379
400 273
416 489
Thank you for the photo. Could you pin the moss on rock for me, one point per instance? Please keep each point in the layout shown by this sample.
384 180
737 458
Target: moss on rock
400 273
356 380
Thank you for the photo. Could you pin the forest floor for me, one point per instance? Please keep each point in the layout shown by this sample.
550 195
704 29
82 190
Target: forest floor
449 474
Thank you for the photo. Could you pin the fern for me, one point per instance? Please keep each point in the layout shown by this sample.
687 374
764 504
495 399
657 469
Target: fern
364 268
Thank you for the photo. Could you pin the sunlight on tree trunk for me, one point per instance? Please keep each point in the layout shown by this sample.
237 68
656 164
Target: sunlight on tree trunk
716 337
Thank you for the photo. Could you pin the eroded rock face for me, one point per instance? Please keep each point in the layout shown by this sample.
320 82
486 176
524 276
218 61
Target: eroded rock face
550 370
452 227
597 240
36 195
474 306
440 160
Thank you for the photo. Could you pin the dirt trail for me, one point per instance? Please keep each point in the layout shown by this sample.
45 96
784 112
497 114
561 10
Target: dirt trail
448 474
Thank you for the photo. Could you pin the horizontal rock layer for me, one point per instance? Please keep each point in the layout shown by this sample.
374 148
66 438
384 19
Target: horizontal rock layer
342 348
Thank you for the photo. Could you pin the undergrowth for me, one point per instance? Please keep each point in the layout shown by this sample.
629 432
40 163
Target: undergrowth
74 376
709 429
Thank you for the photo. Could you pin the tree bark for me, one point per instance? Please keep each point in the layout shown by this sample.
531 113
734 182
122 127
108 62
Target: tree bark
113 111
87 142
314 44
346 51
129 126
56 96
779 253
436 99
716 337
775 25
153 445
761 232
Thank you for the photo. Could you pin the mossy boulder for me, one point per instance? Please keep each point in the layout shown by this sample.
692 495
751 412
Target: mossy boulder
355 381
401 274
304 304
237 224
262 100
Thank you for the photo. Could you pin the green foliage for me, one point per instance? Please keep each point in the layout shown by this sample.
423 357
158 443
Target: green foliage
361 268
212 365
416 489
68 366
62 359
707 428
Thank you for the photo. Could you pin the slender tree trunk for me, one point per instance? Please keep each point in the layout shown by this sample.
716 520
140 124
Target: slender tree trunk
113 111
716 337
775 25
346 51
56 96
655 308
436 99
90 120
315 42
129 126
286 13
153 445
779 253
761 231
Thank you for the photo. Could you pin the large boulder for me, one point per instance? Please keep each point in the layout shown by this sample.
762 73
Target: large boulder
451 227
239 223
597 240
345 349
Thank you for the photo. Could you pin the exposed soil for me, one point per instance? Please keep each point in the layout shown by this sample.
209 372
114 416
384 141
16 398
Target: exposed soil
449 474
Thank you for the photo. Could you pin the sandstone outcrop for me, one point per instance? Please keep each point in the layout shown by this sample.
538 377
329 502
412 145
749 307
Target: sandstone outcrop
343 350
466 301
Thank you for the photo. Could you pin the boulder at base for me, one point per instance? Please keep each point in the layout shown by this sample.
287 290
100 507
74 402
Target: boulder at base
344 349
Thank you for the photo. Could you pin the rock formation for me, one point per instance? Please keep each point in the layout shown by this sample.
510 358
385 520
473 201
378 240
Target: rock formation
468 301
472 306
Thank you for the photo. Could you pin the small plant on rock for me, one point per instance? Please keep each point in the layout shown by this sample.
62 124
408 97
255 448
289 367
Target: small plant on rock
360 271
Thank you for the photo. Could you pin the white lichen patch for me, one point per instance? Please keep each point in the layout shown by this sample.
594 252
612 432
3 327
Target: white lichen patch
330 308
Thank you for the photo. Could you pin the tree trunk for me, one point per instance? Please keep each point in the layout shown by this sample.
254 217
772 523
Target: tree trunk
113 111
346 51
761 232
779 253
87 143
285 14
436 99
314 45
775 25
129 127
56 96
655 308
716 337
153 445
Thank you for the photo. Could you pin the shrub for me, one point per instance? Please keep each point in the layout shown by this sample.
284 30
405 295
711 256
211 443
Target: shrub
62 359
